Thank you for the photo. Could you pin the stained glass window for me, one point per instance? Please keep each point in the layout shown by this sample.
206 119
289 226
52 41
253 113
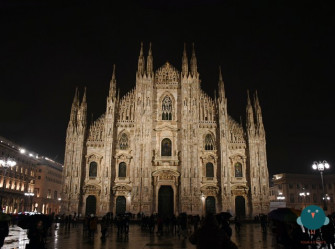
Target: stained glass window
209 142
209 170
122 169
93 169
167 108
123 142
238 170
166 147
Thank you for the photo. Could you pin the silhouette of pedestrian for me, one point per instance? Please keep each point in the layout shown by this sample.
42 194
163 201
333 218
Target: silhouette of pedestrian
104 225
36 236
209 235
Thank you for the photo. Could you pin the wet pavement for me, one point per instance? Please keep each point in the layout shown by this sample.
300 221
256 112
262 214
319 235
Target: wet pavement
250 237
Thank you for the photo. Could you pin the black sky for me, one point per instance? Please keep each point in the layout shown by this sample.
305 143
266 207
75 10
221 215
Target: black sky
284 51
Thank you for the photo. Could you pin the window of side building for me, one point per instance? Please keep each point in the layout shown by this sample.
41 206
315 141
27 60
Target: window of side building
292 198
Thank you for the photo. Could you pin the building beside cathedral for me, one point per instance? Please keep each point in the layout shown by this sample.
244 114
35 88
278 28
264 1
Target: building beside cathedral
165 147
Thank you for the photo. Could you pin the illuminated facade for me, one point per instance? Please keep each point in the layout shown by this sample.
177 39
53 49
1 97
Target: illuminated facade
166 147
300 190
25 178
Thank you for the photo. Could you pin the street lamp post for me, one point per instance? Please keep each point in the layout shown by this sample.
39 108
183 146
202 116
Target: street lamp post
5 163
30 195
321 166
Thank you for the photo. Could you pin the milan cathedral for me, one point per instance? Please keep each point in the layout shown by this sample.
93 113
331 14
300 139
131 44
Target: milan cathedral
165 147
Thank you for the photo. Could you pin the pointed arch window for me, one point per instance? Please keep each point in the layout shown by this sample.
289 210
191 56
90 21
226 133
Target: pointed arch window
209 142
209 170
122 169
123 143
238 170
93 170
166 147
167 108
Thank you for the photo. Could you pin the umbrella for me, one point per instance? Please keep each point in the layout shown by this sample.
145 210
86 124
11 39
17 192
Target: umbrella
284 214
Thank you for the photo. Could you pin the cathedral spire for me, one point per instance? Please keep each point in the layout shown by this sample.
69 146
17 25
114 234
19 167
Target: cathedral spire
141 62
184 62
82 112
258 113
194 67
221 85
83 102
74 107
150 61
112 84
250 115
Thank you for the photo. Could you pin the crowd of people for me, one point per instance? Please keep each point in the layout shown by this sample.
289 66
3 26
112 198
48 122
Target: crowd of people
37 225
212 231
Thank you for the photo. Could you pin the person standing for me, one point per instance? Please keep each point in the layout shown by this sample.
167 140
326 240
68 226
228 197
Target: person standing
36 236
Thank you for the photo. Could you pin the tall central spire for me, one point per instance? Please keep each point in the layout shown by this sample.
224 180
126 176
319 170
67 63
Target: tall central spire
112 84
250 115
74 108
184 62
221 85
141 62
149 62
194 67
258 113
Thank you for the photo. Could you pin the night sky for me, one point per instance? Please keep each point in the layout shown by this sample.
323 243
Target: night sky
285 52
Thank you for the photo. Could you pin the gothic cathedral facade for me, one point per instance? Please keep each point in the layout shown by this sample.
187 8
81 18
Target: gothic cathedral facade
165 147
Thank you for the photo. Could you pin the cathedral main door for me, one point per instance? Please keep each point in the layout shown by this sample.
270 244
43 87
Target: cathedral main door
120 205
240 206
210 205
91 205
165 201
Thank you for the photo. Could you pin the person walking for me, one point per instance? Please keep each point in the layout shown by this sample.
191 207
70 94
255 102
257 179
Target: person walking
93 222
104 226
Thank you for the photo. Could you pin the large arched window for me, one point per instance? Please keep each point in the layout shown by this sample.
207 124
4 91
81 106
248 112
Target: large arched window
209 170
209 142
238 170
166 147
122 169
123 143
93 169
167 108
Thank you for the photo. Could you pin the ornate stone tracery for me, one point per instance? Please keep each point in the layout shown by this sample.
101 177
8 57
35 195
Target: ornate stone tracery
167 75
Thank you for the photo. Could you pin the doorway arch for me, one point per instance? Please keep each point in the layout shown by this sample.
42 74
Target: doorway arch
91 205
210 205
240 206
120 205
165 201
